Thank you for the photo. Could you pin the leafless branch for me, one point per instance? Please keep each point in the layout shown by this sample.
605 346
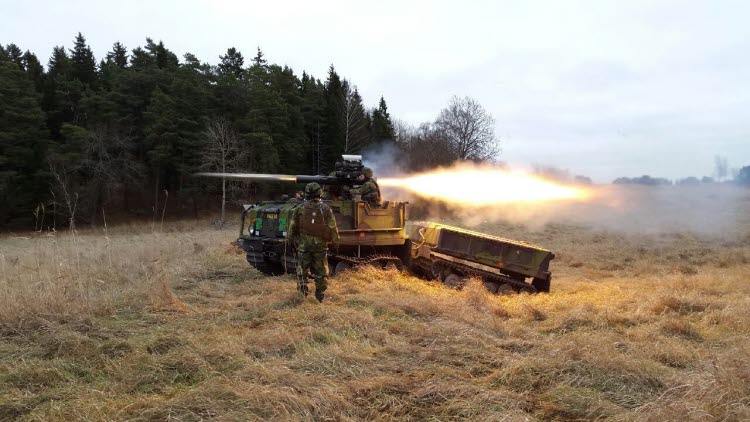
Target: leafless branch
222 152
469 129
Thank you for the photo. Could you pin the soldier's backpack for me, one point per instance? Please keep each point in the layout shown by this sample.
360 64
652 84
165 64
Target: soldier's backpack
312 221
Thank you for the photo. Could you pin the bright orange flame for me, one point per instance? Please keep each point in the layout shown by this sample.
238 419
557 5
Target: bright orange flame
480 185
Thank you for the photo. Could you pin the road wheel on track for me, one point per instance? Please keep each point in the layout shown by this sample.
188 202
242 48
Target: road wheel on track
256 261
505 289
435 272
392 265
491 286
341 266
454 281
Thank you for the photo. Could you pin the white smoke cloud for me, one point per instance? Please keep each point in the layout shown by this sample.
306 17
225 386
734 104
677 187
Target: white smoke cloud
708 209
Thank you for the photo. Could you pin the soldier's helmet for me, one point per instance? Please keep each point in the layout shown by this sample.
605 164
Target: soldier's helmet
312 190
368 172
339 165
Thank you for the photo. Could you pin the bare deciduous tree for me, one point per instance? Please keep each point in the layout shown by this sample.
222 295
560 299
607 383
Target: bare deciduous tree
71 201
222 153
470 130
424 147
107 158
354 120
402 132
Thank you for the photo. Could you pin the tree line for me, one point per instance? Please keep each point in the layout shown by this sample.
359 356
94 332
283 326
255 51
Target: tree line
83 133
722 174
126 132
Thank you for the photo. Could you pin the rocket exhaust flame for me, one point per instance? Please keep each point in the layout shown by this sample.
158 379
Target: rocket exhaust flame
475 185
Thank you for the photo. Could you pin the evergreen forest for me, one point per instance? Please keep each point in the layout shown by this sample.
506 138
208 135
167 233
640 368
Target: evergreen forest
122 134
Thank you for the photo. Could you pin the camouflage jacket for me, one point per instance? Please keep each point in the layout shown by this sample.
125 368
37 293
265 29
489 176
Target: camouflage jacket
305 241
370 192
332 192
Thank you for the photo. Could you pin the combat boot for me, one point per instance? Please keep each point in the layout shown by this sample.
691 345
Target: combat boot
319 295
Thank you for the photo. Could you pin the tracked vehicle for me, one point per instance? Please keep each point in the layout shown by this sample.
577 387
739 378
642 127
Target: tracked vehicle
378 236
367 235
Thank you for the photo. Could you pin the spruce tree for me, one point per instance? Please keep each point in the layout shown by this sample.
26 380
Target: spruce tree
290 132
59 65
34 70
61 93
333 140
83 64
382 127
258 60
313 112
118 55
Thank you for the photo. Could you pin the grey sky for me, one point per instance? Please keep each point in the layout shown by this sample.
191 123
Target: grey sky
601 88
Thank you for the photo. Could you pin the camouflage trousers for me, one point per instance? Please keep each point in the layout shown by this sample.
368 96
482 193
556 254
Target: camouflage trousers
315 263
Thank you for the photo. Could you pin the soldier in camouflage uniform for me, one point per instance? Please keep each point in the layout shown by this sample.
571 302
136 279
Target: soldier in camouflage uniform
370 191
333 192
312 226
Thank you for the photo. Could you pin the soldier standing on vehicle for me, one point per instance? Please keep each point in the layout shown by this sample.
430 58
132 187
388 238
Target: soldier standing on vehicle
311 228
370 191
333 192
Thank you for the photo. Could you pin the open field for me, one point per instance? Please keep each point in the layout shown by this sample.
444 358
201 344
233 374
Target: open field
173 325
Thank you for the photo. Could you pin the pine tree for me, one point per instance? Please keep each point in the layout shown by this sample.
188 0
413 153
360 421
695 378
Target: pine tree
163 58
232 63
83 64
141 59
15 54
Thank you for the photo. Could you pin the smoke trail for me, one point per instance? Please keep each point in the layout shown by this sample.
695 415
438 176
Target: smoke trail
708 209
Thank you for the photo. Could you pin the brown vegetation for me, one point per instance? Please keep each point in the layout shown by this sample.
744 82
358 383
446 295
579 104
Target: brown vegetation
173 325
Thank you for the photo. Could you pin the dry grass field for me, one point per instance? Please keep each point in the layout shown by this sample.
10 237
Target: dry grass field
174 325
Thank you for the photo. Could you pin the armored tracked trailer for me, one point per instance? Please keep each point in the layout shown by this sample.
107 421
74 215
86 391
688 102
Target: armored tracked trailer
452 255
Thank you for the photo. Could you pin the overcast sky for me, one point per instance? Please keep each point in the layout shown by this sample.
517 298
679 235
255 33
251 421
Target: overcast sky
601 88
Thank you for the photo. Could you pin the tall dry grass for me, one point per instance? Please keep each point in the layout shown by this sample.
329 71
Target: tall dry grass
175 326
59 275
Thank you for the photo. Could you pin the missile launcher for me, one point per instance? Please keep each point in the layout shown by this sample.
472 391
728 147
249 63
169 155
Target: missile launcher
378 236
